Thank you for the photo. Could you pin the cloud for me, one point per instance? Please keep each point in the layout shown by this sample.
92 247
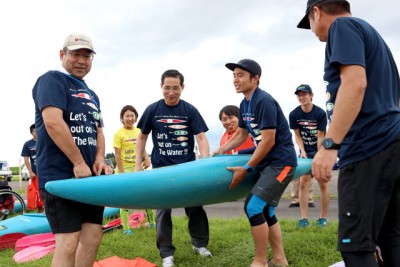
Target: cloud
136 41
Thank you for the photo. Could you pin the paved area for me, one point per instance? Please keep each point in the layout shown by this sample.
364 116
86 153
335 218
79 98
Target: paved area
235 208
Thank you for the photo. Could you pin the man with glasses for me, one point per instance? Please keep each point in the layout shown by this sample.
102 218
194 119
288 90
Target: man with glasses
70 143
168 119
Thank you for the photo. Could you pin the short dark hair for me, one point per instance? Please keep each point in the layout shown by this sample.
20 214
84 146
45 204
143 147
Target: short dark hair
230 110
332 7
32 127
173 74
253 76
125 109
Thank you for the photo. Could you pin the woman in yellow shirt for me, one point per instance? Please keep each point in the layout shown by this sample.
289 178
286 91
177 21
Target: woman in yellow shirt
125 153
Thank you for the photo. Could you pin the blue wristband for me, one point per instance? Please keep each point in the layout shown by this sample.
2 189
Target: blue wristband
247 168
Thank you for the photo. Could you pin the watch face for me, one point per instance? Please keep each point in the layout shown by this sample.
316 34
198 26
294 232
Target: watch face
327 143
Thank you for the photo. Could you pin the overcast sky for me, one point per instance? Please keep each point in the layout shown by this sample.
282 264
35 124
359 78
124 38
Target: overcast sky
136 41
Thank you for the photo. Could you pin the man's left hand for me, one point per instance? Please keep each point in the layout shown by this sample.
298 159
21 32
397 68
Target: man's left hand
100 167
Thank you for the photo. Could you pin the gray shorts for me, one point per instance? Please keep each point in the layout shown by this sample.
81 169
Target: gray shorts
272 183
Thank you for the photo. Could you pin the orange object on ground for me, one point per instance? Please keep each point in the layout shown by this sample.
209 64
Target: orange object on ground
116 261
34 199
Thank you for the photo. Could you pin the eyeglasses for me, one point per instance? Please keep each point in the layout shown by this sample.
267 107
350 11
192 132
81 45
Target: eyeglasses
173 89
77 55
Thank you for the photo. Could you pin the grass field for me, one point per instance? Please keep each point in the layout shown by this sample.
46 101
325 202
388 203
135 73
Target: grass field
230 243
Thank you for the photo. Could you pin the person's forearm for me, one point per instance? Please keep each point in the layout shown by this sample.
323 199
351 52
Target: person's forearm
140 148
320 137
27 164
60 134
300 143
348 101
239 138
100 145
118 161
204 147
262 149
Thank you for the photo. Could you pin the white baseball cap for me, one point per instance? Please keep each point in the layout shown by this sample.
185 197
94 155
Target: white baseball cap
77 41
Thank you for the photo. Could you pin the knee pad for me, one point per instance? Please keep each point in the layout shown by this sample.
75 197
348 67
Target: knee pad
269 214
253 208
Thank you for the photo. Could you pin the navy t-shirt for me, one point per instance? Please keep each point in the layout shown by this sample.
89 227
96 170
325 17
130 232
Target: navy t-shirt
29 150
173 129
263 112
353 41
81 112
308 123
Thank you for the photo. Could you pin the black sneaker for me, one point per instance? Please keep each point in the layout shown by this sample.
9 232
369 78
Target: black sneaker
311 205
294 205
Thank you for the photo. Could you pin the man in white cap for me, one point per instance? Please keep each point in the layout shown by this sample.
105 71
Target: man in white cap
70 143
363 96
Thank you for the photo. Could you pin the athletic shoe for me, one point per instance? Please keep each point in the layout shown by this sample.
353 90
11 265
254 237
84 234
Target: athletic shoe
294 205
128 232
303 223
202 251
311 205
168 261
322 222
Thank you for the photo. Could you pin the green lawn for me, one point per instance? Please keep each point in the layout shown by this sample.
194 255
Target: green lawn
230 243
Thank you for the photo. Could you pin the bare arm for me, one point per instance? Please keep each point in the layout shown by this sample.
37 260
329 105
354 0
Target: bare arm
235 141
347 107
300 143
204 147
146 160
140 150
99 163
118 161
28 167
59 132
263 148
320 137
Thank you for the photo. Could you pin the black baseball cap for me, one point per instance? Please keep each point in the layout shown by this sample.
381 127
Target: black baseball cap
303 88
305 23
246 64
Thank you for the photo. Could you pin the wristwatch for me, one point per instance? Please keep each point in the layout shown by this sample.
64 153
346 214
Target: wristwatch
328 143
247 168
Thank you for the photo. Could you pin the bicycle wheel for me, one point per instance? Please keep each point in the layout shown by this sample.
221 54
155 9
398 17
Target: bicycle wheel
9 197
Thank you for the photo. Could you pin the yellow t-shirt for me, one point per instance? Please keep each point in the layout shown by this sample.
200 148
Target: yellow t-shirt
125 140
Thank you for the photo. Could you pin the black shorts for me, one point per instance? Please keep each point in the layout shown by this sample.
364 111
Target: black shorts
272 183
369 201
67 216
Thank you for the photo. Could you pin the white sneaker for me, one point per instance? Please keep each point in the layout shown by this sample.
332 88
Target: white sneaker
202 251
168 261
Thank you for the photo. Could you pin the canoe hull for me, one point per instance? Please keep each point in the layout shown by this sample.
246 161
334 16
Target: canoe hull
195 183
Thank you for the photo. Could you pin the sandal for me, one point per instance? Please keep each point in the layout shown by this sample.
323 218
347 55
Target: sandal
271 264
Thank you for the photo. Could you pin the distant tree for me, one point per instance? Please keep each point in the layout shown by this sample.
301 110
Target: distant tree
112 157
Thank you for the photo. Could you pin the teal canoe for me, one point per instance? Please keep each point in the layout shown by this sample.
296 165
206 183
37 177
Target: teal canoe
37 223
190 184
29 224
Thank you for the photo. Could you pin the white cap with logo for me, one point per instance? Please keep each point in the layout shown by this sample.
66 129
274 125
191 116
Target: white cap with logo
77 41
